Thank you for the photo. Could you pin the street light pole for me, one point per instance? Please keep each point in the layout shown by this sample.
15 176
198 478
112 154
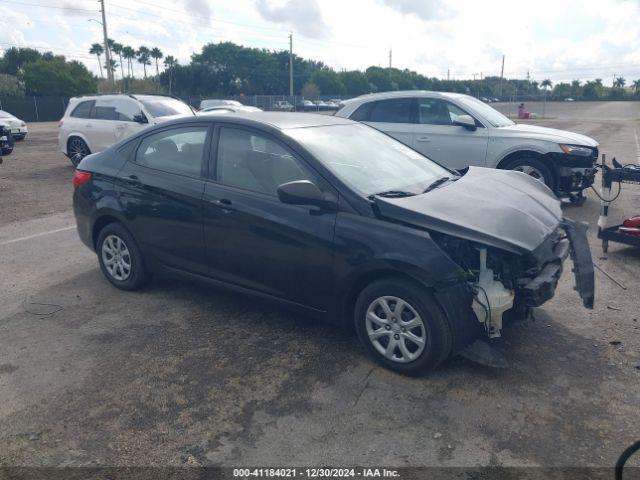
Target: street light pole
107 53
291 65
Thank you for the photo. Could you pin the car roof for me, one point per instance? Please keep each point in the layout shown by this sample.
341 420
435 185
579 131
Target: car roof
403 93
279 120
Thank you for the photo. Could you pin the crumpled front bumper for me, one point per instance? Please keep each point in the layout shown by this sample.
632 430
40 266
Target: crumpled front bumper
536 291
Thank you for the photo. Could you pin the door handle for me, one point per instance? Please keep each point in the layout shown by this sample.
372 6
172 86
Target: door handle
133 180
423 139
225 205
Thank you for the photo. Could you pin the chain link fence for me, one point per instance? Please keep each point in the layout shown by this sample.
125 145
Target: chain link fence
35 109
51 108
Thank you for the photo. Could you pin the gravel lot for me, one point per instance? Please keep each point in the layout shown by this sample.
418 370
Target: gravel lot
181 374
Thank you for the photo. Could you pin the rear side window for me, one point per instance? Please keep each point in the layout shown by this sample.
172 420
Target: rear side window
178 150
83 110
396 110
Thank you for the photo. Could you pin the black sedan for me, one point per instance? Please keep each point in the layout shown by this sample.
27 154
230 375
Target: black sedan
332 218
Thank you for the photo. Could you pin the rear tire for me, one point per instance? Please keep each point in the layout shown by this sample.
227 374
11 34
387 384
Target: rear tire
412 340
533 167
77 149
120 258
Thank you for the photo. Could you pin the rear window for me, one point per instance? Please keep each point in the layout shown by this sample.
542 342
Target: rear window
166 107
83 110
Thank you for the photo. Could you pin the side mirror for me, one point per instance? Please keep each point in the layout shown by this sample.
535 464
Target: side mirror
303 192
140 118
465 121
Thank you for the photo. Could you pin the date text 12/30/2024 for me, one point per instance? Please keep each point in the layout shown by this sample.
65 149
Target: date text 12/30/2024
315 473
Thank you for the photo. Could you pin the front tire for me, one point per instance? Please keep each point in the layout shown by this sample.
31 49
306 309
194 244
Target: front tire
533 167
402 327
120 258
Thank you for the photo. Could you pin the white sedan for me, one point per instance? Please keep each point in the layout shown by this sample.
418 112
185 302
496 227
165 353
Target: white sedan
18 127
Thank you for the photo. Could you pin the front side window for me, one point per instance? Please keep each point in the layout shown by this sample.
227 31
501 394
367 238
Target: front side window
252 161
127 110
396 110
433 111
179 150
367 160
83 109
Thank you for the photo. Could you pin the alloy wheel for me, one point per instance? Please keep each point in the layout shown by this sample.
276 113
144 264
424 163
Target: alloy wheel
77 150
531 171
395 329
116 257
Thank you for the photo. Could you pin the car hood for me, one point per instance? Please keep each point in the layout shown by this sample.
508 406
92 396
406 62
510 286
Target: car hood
501 208
544 133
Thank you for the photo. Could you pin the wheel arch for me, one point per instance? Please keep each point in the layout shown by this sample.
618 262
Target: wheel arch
82 137
526 153
367 278
102 220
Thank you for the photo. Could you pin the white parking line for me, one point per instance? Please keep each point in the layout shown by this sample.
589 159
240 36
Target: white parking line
29 237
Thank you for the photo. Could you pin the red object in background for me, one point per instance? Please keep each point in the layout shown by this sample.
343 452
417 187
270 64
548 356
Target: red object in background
80 177
633 222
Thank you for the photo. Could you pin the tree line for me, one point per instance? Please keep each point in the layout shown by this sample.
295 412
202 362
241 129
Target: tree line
226 69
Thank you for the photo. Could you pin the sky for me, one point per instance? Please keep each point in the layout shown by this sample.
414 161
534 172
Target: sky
557 39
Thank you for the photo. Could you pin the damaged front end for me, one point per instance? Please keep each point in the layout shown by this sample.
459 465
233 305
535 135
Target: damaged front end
506 285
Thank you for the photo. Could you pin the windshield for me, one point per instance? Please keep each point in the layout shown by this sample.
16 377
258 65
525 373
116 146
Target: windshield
367 160
165 107
491 115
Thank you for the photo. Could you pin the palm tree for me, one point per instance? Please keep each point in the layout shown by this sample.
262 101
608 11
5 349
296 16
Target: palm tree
156 53
117 49
144 58
129 54
97 50
546 84
170 62
619 82
636 86
112 65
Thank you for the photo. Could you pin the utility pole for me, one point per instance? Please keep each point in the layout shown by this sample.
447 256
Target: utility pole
291 64
447 74
501 77
390 56
107 54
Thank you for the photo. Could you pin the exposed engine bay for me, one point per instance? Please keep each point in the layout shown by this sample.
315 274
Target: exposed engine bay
504 282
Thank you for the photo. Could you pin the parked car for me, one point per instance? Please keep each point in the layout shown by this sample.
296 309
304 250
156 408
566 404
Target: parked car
332 218
321 105
306 106
459 131
569 99
229 109
92 123
6 140
331 105
17 127
204 104
283 106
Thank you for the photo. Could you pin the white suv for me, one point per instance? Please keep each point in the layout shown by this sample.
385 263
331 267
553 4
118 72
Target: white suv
458 131
92 123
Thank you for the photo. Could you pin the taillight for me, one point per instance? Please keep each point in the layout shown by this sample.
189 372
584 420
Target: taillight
80 178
